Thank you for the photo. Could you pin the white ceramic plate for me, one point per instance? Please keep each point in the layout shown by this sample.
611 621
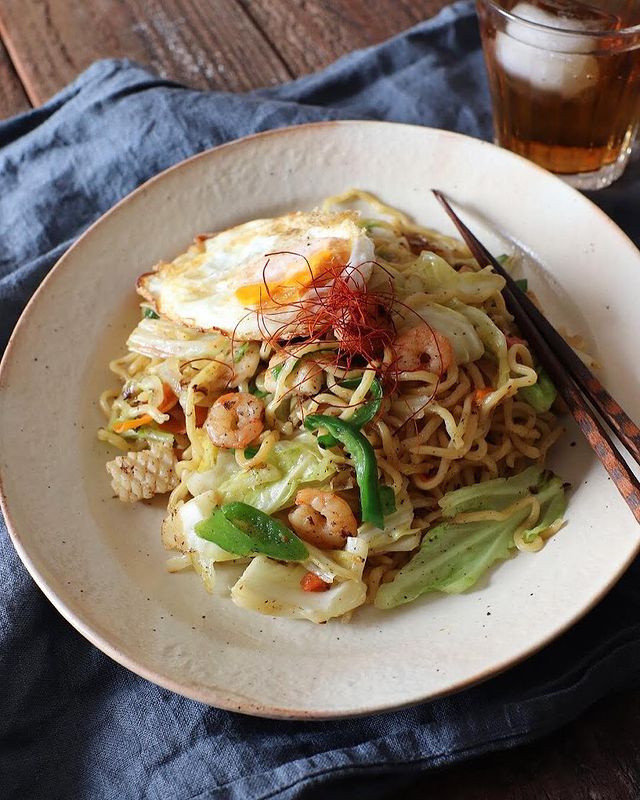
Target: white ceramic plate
102 564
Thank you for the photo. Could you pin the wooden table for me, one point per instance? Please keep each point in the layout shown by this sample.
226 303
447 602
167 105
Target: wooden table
242 44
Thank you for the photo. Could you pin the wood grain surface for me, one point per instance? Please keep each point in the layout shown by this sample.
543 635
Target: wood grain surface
208 45
13 98
238 45
309 34
595 758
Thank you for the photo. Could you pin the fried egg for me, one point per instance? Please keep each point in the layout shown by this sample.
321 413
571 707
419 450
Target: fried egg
251 280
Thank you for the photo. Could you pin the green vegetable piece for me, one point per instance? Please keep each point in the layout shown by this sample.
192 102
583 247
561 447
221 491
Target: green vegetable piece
451 559
242 529
219 530
388 499
364 461
291 464
148 433
250 452
555 509
521 283
275 371
149 313
365 413
369 224
257 392
541 396
492 338
239 353
436 274
493 495
454 555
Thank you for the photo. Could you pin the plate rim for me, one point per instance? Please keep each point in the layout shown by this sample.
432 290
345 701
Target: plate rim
216 696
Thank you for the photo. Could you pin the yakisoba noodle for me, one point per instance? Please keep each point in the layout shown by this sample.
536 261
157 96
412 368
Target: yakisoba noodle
454 409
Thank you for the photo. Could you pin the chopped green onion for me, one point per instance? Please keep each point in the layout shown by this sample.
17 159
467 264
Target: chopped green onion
251 451
259 393
243 530
364 461
275 371
239 353
362 415
149 313
503 258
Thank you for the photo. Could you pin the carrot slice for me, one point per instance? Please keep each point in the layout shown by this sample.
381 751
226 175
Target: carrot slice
168 402
480 394
310 582
201 415
178 424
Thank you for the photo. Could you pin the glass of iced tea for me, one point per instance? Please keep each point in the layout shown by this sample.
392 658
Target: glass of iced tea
565 83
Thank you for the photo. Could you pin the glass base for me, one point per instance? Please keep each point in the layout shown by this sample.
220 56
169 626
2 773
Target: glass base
599 179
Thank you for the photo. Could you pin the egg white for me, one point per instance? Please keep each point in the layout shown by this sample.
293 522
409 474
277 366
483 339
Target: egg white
219 283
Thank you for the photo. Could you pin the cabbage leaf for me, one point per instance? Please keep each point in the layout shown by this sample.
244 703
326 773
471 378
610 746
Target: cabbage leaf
178 532
454 555
397 533
338 565
292 463
492 338
437 274
161 338
273 588
460 331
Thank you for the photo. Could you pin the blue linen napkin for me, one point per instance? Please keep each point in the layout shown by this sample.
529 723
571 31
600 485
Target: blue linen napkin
74 724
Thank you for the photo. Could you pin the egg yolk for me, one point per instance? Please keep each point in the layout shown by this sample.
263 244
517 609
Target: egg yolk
323 266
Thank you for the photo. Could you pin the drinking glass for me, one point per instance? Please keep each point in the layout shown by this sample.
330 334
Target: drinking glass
565 83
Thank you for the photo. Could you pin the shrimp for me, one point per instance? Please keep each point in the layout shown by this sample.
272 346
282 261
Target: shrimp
235 420
423 347
323 519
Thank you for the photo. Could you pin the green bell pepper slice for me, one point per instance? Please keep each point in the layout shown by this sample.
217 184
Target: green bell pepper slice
364 461
365 413
388 498
244 530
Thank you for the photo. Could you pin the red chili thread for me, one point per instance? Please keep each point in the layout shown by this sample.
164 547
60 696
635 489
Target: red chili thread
336 307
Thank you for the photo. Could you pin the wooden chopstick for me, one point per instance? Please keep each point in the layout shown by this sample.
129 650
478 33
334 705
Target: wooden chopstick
573 379
606 405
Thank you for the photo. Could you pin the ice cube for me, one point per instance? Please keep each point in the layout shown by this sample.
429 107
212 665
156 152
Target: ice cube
577 15
546 60
550 39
